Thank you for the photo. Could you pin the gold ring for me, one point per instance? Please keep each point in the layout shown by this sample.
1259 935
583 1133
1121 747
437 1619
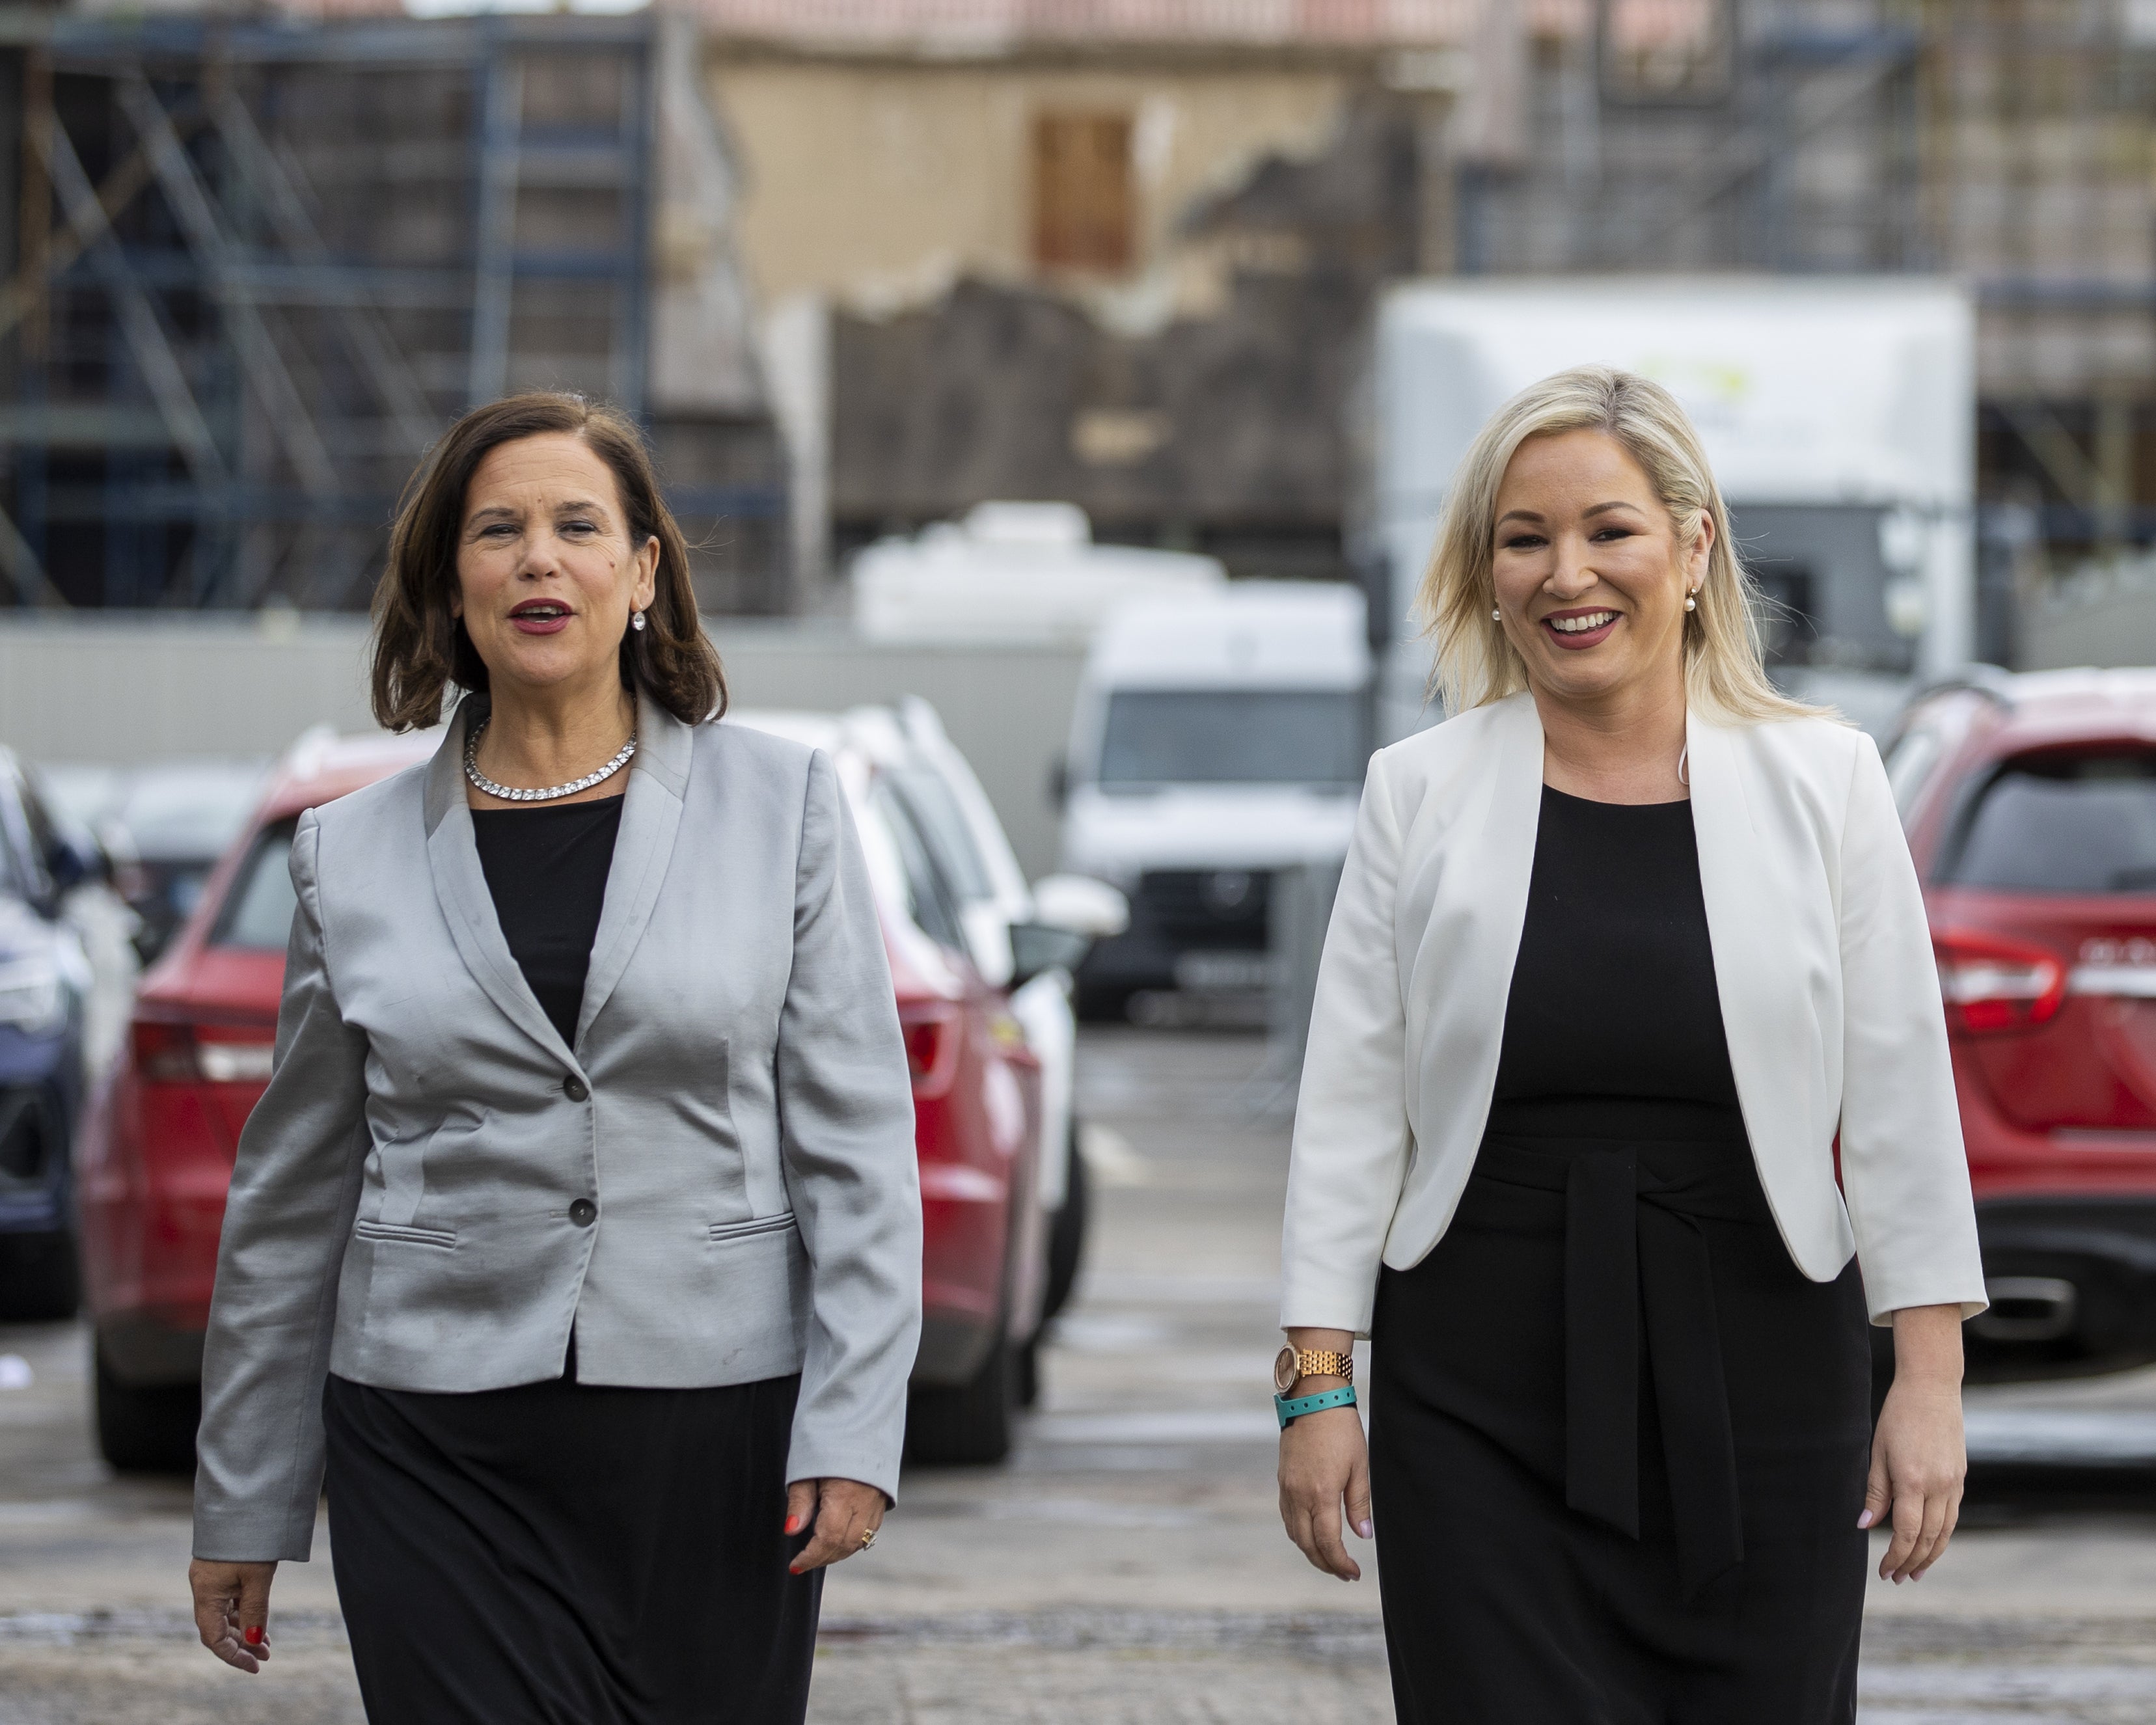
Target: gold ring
868 1539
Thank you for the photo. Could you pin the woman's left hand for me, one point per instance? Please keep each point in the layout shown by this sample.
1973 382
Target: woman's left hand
843 1510
1918 1458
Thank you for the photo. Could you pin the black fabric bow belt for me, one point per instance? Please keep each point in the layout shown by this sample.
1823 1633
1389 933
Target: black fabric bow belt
1633 1243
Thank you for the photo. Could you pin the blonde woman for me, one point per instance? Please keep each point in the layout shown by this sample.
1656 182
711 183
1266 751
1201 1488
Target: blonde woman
1626 951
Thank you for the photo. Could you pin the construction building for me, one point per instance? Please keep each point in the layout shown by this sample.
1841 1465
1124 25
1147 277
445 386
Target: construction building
1124 253
861 264
258 266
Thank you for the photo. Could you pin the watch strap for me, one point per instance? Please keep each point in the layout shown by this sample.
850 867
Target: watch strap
1292 1409
1324 1362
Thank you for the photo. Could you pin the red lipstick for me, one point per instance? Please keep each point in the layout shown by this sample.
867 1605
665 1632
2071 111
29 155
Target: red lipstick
540 617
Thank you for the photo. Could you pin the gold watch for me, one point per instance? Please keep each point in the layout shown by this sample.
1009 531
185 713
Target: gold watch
1295 1364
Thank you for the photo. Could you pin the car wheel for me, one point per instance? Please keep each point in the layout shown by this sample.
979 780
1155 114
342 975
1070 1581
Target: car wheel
40 1282
1096 1004
967 1424
1066 1233
146 1427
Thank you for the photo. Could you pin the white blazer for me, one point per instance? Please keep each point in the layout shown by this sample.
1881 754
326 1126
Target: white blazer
1822 955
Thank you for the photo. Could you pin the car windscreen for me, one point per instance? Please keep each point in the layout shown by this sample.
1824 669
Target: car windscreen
258 910
2063 821
929 898
942 823
1233 736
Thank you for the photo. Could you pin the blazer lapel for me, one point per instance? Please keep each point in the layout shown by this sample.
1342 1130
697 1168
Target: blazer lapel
1742 928
643 850
1506 817
460 887
1478 864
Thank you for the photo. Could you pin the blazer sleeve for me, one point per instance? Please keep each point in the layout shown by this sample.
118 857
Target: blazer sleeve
1352 1134
294 1191
845 1102
1904 1173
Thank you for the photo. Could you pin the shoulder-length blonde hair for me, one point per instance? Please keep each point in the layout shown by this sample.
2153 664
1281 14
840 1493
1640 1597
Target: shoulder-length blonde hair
1476 662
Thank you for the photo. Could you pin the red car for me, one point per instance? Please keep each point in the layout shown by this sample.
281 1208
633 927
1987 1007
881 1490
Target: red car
155 1153
2030 806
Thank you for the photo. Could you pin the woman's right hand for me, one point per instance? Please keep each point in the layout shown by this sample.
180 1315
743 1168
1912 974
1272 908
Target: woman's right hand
232 1610
1325 1468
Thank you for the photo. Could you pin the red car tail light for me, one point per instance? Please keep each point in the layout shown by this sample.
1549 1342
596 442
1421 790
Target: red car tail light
931 1028
173 1051
1995 984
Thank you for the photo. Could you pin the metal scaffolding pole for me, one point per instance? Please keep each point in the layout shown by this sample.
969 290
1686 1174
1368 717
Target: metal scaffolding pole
264 263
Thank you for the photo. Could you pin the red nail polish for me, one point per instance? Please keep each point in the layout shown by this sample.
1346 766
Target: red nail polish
254 1634
793 1524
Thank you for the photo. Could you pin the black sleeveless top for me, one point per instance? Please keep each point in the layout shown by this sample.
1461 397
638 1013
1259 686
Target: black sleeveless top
1613 1027
547 870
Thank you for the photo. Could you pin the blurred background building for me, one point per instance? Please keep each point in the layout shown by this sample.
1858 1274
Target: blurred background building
861 264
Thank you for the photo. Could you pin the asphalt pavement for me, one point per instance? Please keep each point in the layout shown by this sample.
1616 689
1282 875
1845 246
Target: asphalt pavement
1127 1564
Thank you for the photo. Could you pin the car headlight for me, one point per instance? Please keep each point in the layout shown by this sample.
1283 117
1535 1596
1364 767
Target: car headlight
32 994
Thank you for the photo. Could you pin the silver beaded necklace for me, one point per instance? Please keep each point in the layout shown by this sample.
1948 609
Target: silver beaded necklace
509 795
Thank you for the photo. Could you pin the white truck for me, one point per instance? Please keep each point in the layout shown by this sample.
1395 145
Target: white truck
1838 414
1216 740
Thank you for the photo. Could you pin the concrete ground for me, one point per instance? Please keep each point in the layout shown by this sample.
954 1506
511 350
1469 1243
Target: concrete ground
1127 1564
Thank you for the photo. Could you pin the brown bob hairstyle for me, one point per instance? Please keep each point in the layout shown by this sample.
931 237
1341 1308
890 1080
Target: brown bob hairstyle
420 650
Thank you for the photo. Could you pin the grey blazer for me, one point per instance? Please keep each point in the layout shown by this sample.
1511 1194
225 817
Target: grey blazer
715 1184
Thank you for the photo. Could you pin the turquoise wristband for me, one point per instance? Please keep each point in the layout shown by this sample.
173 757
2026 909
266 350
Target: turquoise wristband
1303 1404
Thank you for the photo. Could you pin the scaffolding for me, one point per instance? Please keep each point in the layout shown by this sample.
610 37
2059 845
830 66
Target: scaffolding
1769 135
2041 121
258 266
2006 142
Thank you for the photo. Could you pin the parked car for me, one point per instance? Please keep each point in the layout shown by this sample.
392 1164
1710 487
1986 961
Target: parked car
158 1143
962 886
45 987
165 824
2030 803
1030 937
156 1151
1215 739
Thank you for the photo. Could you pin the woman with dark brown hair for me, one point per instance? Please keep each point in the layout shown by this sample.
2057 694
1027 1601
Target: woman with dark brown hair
575 1243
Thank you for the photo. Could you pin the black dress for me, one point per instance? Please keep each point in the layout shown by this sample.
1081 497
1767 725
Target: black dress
562 1553
1619 1441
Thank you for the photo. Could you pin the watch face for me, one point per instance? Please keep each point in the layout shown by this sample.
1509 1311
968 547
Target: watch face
1284 1370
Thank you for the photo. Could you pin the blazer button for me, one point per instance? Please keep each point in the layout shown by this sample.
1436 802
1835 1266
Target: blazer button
583 1213
575 1089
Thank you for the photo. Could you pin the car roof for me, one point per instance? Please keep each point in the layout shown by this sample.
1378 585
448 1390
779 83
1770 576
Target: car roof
873 733
323 766
814 731
2036 708
1253 634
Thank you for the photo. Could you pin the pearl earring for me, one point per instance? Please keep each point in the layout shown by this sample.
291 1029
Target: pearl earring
636 618
1690 603
1496 615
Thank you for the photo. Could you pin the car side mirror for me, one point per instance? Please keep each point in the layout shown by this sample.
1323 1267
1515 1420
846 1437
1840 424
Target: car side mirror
71 861
1040 947
1082 905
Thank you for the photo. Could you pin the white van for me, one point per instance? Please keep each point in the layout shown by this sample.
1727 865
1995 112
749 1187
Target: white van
1012 573
1216 739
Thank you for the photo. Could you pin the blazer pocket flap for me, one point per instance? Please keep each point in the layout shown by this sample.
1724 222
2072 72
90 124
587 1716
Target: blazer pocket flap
756 1226
391 1232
